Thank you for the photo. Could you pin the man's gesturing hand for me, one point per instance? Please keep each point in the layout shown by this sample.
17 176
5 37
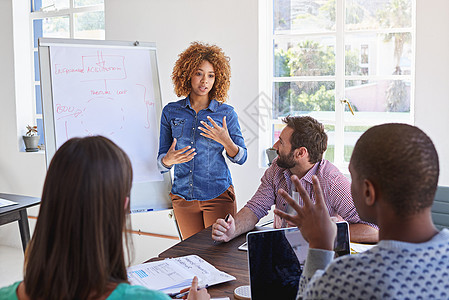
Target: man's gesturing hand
312 219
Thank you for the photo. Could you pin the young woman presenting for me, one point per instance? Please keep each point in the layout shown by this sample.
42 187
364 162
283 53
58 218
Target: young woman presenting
194 133
77 247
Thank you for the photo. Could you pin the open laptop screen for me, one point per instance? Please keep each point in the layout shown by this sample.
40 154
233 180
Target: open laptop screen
276 257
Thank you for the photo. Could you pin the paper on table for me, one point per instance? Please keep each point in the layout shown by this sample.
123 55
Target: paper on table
173 274
159 275
4 202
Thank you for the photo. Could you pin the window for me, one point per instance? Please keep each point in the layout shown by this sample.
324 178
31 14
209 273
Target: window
82 19
323 52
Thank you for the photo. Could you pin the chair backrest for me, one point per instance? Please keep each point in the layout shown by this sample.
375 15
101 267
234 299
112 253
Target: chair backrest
440 208
271 154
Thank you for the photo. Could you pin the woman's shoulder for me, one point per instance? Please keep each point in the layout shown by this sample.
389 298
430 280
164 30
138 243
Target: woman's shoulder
9 292
223 105
226 108
127 291
175 104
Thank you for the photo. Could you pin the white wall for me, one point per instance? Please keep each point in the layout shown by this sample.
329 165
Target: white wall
432 77
21 173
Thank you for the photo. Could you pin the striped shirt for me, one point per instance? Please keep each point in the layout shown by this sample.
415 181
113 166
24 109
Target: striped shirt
336 190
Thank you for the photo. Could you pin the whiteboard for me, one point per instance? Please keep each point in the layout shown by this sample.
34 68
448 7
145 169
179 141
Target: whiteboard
112 89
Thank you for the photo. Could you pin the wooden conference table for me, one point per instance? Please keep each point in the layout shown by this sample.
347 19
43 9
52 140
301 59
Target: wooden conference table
224 256
18 212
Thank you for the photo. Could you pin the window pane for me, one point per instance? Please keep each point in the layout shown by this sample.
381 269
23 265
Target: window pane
379 96
36 66
50 5
79 3
37 90
57 27
304 57
362 14
58 4
90 25
330 131
353 60
51 27
304 96
277 129
352 134
36 5
40 130
304 15
379 54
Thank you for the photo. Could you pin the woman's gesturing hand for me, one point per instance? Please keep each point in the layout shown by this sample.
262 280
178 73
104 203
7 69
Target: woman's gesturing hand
220 135
215 132
178 156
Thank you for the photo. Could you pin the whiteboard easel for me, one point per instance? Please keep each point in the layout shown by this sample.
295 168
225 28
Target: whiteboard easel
107 88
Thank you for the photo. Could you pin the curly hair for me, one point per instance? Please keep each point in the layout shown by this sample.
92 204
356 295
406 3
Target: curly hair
190 60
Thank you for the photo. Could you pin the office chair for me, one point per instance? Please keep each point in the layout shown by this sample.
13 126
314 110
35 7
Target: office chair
440 208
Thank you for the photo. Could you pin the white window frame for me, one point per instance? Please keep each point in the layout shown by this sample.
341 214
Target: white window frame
266 80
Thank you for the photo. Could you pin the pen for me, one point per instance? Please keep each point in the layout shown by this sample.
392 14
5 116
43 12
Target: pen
226 220
180 295
227 217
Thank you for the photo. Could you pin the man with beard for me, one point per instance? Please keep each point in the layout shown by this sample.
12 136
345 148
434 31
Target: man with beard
300 151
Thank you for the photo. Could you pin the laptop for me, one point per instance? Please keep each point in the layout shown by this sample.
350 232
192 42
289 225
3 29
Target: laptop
276 258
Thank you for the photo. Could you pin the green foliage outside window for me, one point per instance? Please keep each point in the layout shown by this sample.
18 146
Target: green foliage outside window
90 21
309 58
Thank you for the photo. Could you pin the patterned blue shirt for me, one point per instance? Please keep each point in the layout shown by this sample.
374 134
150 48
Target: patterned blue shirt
391 270
207 175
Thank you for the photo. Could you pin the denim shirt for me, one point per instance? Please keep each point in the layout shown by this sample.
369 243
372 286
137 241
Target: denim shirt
207 175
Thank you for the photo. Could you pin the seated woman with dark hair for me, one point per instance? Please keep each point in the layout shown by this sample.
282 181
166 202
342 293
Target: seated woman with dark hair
77 248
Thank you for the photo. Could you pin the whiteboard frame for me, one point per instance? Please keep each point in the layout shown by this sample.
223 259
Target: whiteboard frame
154 194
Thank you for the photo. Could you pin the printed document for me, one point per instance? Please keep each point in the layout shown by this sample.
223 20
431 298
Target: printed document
173 274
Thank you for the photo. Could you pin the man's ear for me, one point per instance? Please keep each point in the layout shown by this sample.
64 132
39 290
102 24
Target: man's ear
300 152
369 193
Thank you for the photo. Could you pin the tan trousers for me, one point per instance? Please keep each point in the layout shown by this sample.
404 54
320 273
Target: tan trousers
193 216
